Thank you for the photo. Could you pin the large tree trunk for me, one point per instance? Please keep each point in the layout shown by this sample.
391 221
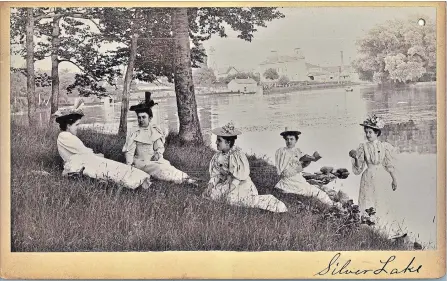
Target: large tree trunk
126 87
55 44
184 87
30 78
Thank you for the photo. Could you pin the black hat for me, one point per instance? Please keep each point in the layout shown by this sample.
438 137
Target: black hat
290 132
148 103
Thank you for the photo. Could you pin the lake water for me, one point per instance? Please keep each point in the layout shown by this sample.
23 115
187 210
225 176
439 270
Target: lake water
329 121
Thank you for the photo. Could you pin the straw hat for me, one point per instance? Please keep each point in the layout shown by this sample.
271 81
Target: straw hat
148 103
289 132
374 122
227 131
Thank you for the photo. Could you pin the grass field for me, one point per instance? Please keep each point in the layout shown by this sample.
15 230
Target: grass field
53 213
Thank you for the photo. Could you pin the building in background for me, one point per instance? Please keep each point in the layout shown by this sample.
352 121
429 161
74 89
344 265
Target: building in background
292 66
225 72
248 85
296 69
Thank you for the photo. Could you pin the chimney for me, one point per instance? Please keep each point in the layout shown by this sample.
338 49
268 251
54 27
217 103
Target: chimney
341 57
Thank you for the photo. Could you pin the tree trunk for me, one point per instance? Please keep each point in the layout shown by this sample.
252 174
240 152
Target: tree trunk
184 88
126 87
30 78
55 44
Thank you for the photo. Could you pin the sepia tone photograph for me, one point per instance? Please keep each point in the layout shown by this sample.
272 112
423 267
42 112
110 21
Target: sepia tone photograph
223 129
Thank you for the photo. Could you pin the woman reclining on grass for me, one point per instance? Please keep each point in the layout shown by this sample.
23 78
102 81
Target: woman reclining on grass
80 159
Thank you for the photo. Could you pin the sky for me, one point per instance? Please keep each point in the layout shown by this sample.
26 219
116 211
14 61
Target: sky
321 33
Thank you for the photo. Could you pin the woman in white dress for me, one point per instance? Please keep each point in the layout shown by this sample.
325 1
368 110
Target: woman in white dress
289 167
144 147
378 179
230 175
80 159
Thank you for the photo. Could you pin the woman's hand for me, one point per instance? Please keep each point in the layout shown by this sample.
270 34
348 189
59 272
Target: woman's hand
156 157
207 192
394 185
304 164
353 153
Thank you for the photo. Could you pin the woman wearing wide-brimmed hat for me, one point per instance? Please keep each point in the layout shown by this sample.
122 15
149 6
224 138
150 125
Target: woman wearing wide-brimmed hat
290 162
80 159
379 177
144 146
230 175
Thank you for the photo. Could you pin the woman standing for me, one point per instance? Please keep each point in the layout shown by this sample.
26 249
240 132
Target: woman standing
379 177
230 175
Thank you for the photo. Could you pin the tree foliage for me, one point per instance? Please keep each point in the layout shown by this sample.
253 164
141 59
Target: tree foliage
79 43
241 75
283 80
155 43
271 74
204 76
397 51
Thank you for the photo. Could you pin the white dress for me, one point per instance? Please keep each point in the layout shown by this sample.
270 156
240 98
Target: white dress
230 180
139 148
375 184
77 156
290 170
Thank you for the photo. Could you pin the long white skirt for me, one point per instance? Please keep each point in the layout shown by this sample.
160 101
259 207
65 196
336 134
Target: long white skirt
375 191
105 169
246 195
298 185
162 170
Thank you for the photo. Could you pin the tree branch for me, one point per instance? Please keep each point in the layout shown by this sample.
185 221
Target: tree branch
80 16
45 16
81 69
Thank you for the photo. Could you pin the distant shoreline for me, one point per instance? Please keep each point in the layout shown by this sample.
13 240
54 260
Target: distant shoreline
285 90
275 90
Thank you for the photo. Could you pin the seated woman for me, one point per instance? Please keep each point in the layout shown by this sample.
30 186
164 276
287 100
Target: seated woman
230 175
290 166
79 158
144 147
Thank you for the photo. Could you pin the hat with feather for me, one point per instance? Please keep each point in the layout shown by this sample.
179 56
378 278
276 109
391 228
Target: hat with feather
147 104
70 112
226 131
374 122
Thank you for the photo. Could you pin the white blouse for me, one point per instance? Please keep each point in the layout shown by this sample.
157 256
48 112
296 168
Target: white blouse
69 144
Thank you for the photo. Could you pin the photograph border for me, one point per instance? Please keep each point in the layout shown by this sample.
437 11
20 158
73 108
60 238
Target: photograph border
215 264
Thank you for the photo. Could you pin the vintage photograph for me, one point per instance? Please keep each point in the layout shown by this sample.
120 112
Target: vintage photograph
223 129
